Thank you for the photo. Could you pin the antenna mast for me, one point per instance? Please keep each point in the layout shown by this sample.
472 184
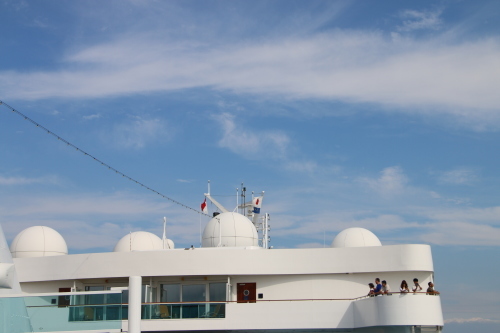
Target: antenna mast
164 231
243 199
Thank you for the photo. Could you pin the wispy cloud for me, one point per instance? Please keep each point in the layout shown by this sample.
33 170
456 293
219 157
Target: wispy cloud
16 5
92 116
392 209
302 166
459 176
26 181
89 221
419 20
400 229
392 181
274 145
185 180
78 205
248 143
138 132
455 79
484 215
470 320
461 233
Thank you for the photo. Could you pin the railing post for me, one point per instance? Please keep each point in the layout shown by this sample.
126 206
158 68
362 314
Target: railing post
134 304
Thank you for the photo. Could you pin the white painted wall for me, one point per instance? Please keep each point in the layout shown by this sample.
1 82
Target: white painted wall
374 311
325 286
226 261
329 273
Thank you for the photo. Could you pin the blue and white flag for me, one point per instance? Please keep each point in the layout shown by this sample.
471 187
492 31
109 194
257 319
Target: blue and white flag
257 203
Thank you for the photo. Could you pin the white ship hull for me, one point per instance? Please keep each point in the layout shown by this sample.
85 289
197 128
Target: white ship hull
228 285
296 290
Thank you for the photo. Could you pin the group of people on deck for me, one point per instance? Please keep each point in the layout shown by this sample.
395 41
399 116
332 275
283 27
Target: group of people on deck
383 288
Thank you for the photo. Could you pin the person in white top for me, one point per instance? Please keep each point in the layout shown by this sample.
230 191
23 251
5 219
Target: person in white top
404 287
416 287
385 287
372 287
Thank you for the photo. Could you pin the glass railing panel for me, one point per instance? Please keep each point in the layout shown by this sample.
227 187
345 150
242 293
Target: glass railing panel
217 310
14 316
191 310
48 313
183 310
95 312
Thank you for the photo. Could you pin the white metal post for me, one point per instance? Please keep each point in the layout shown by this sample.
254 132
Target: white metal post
134 304
220 232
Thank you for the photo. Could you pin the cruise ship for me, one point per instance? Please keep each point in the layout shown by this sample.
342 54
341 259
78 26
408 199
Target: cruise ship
233 282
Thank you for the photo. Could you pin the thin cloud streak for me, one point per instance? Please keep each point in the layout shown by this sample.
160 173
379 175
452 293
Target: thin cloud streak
470 320
428 223
392 181
458 176
420 20
138 132
393 210
348 66
83 205
13 181
251 144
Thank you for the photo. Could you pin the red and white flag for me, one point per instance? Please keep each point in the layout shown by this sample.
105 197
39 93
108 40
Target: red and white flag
257 204
204 207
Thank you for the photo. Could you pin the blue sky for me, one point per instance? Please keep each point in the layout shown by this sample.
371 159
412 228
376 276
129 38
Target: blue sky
383 115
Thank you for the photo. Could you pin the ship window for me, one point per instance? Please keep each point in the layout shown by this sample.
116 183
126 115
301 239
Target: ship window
170 293
193 293
217 292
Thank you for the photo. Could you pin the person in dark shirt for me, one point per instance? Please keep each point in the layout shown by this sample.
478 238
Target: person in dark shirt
378 287
430 290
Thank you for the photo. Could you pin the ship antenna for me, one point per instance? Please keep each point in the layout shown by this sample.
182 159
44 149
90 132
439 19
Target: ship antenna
237 203
164 231
243 199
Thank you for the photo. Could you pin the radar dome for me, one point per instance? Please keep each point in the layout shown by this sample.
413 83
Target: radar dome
355 237
38 241
139 241
236 230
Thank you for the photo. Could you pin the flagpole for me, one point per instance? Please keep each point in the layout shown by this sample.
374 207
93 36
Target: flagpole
204 210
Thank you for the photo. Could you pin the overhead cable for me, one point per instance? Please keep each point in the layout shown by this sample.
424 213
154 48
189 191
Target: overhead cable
98 160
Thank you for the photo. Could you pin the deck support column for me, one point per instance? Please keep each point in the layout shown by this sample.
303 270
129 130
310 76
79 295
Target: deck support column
134 304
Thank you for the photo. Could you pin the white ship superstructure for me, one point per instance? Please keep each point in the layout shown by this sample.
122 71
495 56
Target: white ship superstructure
230 284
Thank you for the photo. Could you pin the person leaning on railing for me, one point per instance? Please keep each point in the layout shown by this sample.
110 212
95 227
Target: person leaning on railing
378 287
416 288
430 290
404 287
372 289
385 288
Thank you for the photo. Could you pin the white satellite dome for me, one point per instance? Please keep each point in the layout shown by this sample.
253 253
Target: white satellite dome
356 237
236 230
38 241
139 241
169 244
